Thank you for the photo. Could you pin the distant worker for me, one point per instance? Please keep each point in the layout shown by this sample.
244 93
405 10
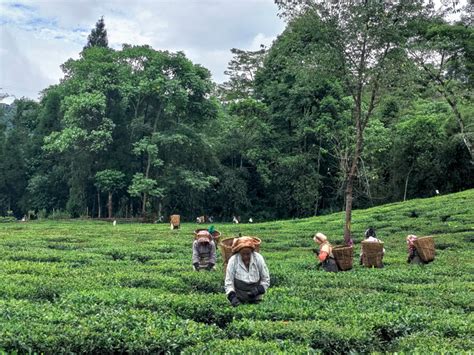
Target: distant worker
324 254
413 255
247 277
204 251
235 220
370 236
250 220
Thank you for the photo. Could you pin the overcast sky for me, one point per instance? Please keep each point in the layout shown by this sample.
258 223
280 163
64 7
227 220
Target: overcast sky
37 36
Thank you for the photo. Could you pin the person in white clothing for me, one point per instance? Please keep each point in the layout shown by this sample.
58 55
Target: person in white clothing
247 277
370 236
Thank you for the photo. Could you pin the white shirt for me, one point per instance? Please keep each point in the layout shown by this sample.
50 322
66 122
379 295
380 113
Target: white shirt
373 240
257 272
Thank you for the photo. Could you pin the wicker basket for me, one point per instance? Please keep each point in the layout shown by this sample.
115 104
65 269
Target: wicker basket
372 254
226 248
344 256
426 248
215 235
175 220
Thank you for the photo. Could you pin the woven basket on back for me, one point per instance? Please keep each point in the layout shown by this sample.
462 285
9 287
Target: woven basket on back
226 248
344 256
215 235
175 220
426 248
372 254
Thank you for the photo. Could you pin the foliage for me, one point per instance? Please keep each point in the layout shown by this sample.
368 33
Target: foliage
279 139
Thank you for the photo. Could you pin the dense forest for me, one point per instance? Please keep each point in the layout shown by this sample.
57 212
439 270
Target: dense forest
353 105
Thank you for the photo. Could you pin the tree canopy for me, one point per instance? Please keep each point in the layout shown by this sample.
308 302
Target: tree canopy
355 104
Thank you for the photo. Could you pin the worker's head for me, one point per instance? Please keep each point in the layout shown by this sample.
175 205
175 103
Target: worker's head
243 242
411 239
203 236
203 240
246 254
370 233
320 238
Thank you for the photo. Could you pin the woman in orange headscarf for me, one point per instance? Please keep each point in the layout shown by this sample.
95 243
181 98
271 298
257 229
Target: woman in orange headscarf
247 277
324 255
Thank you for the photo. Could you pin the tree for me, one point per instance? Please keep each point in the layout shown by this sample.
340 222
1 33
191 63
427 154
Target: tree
98 35
241 71
17 153
365 35
445 52
109 181
143 187
143 184
86 133
420 140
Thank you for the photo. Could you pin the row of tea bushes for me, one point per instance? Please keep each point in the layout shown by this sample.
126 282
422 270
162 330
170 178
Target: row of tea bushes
84 286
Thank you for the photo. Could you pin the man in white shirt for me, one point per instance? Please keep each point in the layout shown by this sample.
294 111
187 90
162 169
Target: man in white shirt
247 277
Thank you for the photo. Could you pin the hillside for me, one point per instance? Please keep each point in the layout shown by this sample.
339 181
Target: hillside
84 286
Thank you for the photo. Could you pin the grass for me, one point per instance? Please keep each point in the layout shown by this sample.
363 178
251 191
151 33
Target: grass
85 286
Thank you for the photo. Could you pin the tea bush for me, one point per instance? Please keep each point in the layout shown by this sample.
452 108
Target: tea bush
90 287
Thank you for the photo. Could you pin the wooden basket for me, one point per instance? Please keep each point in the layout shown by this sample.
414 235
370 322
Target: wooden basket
215 235
372 254
426 248
175 220
343 256
226 248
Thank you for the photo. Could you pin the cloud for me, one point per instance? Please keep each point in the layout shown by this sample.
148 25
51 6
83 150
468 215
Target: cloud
38 36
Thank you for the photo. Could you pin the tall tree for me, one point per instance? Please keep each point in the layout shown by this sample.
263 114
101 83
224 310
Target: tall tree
98 35
109 181
241 71
365 34
445 52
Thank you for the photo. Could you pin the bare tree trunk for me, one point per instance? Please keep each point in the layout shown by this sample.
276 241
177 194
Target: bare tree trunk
367 182
406 184
98 204
160 208
144 205
350 183
109 204
319 178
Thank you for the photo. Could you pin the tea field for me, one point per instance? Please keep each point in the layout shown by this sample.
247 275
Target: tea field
84 286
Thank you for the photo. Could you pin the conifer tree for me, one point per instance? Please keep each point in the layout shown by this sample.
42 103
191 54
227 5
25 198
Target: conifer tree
98 36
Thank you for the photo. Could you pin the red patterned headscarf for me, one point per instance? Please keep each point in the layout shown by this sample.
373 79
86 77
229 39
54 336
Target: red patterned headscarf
410 242
203 236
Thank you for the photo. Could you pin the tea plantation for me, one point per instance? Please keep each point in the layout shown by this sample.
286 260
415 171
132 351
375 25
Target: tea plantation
85 286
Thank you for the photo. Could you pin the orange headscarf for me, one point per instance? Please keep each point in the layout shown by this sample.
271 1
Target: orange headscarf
243 242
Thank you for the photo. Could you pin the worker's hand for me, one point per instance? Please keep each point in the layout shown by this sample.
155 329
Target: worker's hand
210 266
196 266
256 291
232 297
235 302
316 251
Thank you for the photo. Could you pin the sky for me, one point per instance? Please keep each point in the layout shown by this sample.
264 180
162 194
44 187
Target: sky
37 36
